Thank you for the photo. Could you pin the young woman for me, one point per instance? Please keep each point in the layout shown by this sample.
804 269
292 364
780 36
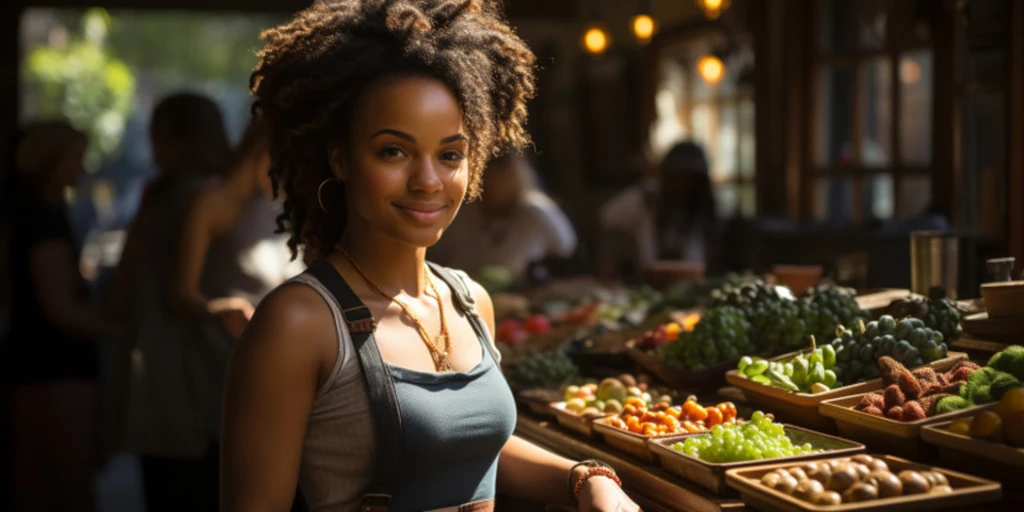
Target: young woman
52 357
371 381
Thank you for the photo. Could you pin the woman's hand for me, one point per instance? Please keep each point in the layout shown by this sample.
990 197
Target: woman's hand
233 314
602 494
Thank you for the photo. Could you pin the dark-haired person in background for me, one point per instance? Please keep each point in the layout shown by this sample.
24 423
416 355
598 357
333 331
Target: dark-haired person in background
512 225
169 403
671 218
382 116
51 357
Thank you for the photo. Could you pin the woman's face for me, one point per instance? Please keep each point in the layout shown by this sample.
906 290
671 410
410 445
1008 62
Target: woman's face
405 167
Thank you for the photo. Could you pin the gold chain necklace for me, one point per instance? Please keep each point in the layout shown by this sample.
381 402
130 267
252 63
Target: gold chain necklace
441 362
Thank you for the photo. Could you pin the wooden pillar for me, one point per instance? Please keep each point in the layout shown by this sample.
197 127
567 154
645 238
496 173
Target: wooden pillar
1015 147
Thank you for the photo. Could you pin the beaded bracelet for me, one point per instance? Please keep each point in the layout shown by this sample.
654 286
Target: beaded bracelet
592 472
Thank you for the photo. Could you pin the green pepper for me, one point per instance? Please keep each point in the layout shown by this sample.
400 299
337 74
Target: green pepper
745 361
761 379
756 368
781 381
817 373
830 378
828 354
787 369
800 367
815 356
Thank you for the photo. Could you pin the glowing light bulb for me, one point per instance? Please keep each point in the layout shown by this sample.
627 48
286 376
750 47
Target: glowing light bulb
595 40
711 69
713 8
643 27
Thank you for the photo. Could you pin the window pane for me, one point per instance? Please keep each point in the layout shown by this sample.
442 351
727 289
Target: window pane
747 138
875 116
700 125
916 107
727 197
835 102
725 159
874 21
748 200
834 200
878 197
835 33
915 195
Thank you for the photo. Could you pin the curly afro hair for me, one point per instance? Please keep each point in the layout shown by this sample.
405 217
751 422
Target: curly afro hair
313 69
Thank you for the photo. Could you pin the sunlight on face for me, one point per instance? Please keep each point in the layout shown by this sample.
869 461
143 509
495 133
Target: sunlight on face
405 167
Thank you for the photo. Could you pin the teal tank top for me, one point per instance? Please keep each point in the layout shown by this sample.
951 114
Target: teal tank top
455 425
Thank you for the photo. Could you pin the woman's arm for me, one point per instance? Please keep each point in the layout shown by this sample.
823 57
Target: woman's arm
271 384
56 283
528 471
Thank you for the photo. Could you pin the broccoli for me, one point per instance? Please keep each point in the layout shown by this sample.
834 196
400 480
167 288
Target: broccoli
952 403
1010 360
978 388
1002 383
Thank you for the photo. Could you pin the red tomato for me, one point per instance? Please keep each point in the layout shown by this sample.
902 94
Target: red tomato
537 324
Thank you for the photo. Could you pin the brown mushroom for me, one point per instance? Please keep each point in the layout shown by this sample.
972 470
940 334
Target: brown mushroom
941 489
888 484
862 470
862 459
808 489
936 478
786 484
842 478
798 473
770 480
821 473
878 465
828 498
860 492
914 482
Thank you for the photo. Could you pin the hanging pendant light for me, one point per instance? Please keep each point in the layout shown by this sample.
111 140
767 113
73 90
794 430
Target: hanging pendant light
713 8
596 40
643 24
711 69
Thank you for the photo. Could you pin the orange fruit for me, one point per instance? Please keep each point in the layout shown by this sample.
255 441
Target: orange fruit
1012 401
961 426
986 425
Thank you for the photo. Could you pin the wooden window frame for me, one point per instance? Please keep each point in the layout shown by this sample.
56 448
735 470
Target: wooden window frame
853 59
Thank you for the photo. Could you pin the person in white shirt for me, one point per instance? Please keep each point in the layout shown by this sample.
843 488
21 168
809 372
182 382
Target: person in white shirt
671 217
512 225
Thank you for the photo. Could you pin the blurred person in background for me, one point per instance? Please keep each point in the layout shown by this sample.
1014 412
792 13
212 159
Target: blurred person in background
166 359
673 217
51 355
513 225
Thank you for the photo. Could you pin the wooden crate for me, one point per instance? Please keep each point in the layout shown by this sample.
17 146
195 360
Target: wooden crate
978 457
681 380
567 419
968 491
711 476
802 408
901 438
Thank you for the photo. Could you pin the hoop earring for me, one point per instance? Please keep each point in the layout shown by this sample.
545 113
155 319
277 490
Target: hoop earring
319 193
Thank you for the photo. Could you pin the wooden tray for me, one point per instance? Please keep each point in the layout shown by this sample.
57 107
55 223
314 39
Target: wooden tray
968 491
709 377
979 325
711 475
581 424
629 442
977 457
901 438
539 400
802 408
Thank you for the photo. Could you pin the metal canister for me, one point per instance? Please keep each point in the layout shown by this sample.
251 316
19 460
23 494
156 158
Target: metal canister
934 263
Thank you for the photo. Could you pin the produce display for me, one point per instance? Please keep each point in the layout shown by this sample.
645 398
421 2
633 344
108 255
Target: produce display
664 333
857 479
544 369
723 333
851 357
915 395
808 372
1004 424
664 420
759 438
939 314
1003 372
610 395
